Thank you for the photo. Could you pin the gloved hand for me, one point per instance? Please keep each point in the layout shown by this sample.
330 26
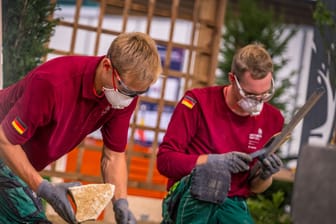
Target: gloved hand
235 161
122 213
56 196
269 166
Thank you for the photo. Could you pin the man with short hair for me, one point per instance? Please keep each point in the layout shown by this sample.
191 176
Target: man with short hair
54 107
205 151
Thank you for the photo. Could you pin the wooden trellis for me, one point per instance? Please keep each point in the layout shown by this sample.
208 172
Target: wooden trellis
206 19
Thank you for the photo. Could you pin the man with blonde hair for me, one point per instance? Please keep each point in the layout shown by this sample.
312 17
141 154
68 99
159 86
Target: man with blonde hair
206 150
54 107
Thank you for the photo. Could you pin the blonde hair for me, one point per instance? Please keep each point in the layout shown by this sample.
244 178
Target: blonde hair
253 58
135 54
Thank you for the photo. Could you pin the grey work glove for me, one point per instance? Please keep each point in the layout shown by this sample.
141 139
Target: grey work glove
210 182
56 196
122 213
269 166
235 161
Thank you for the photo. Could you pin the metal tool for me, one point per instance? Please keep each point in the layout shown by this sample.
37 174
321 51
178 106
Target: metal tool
277 140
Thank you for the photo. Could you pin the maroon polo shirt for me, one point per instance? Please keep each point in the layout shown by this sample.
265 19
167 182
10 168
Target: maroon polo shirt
202 123
54 107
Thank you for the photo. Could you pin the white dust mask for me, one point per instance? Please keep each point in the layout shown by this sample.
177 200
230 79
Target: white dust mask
117 99
251 106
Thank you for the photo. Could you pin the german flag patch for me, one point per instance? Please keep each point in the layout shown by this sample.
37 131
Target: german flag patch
19 125
188 102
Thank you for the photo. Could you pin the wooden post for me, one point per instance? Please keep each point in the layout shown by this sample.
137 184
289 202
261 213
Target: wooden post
211 19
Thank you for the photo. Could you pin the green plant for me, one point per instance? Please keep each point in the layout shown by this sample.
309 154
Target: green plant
255 24
268 210
27 27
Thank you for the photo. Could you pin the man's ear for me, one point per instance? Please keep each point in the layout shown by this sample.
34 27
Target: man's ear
231 77
107 64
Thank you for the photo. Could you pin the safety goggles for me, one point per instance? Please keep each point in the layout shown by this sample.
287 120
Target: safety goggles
261 97
122 87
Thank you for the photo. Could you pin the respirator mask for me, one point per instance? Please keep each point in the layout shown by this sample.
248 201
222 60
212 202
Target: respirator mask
253 104
117 99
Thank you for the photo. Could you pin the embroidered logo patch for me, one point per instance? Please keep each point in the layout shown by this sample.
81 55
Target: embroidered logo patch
188 102
254 139
19 125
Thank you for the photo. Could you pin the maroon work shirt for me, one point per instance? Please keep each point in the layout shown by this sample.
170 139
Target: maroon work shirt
54 107
202 123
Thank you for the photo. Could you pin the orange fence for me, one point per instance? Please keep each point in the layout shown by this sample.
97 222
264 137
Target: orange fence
85 160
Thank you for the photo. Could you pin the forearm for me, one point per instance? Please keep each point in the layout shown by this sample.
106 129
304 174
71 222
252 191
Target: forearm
114 171
16 159
259 185
201 159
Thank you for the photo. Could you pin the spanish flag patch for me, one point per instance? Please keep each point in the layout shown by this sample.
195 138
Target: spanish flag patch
19 125
188 102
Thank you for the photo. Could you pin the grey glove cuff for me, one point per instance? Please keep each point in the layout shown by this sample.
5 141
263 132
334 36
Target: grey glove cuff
210 182
215 157
122 213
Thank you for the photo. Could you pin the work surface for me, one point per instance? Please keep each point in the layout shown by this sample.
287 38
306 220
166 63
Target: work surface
57 220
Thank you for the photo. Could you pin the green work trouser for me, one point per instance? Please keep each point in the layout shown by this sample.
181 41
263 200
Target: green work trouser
18 203
179 207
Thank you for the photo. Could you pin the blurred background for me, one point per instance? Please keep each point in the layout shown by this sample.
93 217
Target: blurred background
196 40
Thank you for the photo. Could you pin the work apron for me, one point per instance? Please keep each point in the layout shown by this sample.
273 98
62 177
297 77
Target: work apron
179 207
18 203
